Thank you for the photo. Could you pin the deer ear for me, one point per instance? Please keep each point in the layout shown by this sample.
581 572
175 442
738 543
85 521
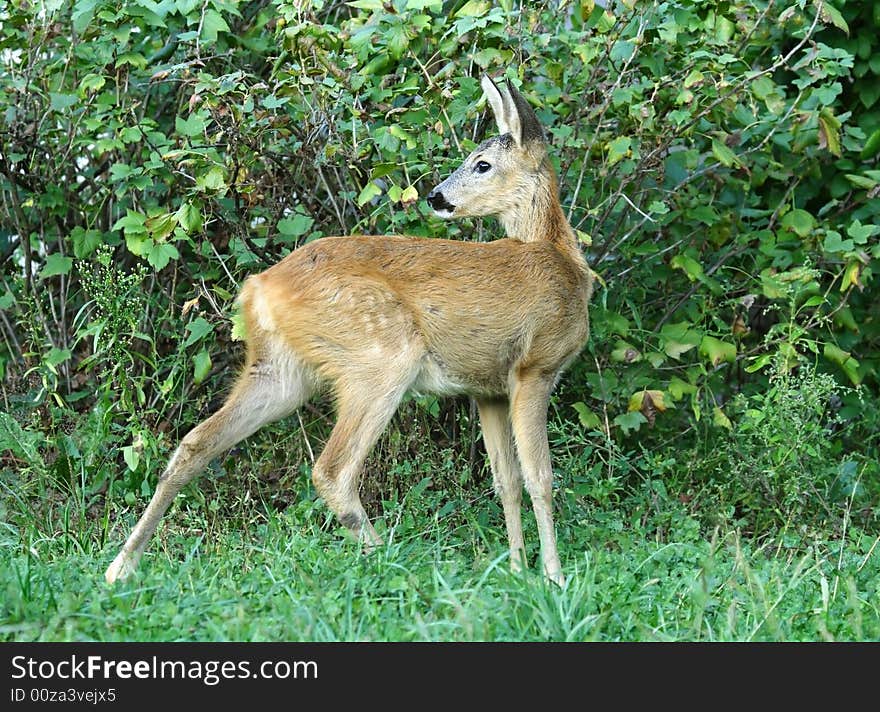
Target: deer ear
504 109
530 127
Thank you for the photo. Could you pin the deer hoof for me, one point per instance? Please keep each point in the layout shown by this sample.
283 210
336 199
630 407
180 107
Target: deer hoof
122 567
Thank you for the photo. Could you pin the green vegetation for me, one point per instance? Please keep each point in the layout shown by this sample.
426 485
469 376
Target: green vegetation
717 445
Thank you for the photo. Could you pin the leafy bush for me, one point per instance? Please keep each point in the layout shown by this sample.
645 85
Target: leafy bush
779 462
719 160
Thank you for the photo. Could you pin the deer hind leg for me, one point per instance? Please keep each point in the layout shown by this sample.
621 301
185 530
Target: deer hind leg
506 473
266 390
364 409
531 395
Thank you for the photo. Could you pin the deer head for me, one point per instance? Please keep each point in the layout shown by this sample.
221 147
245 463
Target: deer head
501 172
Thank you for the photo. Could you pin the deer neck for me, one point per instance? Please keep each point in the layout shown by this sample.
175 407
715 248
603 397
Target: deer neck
538 215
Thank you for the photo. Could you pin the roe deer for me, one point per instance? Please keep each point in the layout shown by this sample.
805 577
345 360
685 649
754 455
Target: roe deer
375 317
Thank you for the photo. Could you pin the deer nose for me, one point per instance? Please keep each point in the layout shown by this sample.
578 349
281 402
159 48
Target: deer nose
438 201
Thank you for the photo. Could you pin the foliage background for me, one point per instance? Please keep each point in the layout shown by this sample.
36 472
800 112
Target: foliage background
718 159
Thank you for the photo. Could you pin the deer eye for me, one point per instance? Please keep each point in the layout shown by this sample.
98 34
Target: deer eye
482 167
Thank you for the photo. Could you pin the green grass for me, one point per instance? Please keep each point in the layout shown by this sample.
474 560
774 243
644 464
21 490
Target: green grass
290 576
763 533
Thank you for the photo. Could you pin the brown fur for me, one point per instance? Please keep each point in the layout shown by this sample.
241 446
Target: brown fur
374 317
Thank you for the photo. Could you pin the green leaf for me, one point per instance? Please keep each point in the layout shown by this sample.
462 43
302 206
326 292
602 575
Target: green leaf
487 57
91 83
56 264
56 357
829 132
860 233
191 127
161 226
622 51
695 77
692 268
587 417
131 134
724 29
397 40
834 243
630 421
704 213
370 191
83 12
185 7
189 215
625 353
131 456
133 222
759 362
861 181
409 196
872 145
678 388
201 366
85 242
678 338
717 351
214 180
22 443
798 221
60 102
138 243
159 255
295 225
135 59
212 24
198 329
829 13
274 102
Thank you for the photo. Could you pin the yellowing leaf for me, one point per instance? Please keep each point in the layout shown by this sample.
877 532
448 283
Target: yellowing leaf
618 149
473 8
829 132
798 221
845 360
692 268
720 418
851 276
723 154
637 400
409 196
625 352
716 351
239 332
